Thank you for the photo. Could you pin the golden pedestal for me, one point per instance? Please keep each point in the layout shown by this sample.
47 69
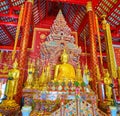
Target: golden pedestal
9 108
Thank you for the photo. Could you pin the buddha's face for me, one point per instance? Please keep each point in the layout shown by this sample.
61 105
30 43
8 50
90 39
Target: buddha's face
15 65
64 59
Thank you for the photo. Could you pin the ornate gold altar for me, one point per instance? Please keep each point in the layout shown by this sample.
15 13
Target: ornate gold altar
60 89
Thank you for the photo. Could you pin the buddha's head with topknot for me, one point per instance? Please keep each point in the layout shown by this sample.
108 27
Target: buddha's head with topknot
64 57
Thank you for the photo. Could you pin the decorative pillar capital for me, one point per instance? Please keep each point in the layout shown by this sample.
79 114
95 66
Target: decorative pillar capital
32 1
89 6
104 22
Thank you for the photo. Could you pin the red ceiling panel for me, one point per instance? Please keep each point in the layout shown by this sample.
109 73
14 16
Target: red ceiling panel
72 1
73 10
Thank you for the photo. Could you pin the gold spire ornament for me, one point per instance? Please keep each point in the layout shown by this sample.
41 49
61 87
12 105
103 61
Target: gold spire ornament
99 41
17 32
89 6
109 48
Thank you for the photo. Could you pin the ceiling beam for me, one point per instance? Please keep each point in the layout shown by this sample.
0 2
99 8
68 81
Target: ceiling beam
8 48
118 27
38 5
47 7
76 14
115 19
68 12
113 8
83 23
105 3
9 15
8 34
10 3
66 17
8 23
116 43
79 2
109 20
103 54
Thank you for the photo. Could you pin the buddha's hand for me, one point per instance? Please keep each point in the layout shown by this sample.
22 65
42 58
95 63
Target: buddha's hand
55 79
10 78
90 79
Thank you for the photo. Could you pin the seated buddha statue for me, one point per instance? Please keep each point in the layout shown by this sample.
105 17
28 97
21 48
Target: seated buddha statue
64 71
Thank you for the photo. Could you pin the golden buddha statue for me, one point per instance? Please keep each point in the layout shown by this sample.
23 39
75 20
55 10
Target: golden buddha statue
12 83
48 73
36 83
108 88
79 74
64 71
86 75
43 79
31 71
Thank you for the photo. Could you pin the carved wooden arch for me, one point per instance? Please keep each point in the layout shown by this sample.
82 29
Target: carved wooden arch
51 52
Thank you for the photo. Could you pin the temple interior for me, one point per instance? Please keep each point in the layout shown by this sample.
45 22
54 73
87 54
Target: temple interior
59 57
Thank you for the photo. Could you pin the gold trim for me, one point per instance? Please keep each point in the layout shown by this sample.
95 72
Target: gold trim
76 37
89 6
3 75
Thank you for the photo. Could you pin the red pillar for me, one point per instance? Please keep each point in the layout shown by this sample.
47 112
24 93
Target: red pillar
23 48
95 73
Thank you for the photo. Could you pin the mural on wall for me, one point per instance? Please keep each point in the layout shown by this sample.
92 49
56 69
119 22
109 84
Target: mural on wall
48 43
39 37
117 55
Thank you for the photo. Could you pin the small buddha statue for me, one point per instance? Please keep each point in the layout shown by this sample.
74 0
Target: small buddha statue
64 71
86 75
13 76
108 88
79 74
42 79
36 83
86 78
31 71
48 73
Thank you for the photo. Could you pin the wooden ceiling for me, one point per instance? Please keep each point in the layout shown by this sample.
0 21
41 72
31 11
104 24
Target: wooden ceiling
74 12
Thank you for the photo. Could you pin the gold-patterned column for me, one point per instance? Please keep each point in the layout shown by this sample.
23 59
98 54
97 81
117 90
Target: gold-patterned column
23 48
95 73
109 49
111 58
